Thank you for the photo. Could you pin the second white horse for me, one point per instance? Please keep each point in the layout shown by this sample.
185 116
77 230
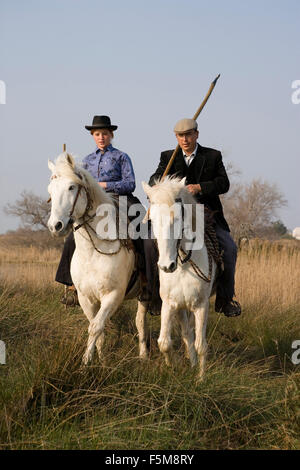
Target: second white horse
181 289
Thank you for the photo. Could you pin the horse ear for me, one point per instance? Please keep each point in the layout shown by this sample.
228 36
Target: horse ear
146 187
51 166
183 181
146 216
70 160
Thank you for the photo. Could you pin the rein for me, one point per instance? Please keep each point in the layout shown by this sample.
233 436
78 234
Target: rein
125 243
196 268
88 207
85 224
74 203
187 256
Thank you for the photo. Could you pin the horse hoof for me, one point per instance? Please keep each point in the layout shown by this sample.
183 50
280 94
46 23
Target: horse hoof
144 356
86 360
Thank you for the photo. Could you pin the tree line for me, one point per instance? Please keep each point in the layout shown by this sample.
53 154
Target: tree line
250 208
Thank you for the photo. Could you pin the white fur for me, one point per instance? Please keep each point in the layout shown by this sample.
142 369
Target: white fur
101 280
182 290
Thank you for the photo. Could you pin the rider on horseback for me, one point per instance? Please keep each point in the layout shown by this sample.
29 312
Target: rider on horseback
206 178
113 170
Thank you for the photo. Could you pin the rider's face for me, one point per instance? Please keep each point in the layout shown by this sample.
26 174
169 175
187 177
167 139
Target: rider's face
187 140
102 137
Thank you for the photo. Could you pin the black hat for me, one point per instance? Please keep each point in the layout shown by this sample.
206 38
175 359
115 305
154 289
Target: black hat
101 122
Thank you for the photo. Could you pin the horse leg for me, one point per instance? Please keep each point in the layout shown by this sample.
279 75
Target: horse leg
164 340
187 336
201 314
109 304
90 310
140 321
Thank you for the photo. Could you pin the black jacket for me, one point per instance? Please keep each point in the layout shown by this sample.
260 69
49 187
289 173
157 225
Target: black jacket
206 169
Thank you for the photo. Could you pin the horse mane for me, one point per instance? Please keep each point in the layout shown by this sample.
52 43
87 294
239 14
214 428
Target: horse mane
167 190
65 166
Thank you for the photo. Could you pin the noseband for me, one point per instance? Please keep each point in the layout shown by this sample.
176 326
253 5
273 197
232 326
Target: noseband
74 204
88 207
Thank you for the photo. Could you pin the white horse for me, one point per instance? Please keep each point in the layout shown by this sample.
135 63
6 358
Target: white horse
181 288
100 268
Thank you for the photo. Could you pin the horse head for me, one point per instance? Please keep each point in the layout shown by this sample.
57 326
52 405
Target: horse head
69 201
171 219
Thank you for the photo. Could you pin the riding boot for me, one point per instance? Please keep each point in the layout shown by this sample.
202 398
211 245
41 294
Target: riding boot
63 274
230 308
152 288
225 282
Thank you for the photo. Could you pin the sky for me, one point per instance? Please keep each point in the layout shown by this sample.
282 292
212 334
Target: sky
147 65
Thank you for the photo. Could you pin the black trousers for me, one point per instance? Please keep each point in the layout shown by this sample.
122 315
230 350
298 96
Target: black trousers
225 282
63 274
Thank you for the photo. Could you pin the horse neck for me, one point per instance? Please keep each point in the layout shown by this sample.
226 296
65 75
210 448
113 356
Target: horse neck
86 236
188 198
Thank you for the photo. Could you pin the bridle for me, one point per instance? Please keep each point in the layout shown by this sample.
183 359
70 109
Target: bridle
187 256
178 248
87 209
88 206
86 221
85 224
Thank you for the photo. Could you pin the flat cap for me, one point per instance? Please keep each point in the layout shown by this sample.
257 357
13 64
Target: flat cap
185 125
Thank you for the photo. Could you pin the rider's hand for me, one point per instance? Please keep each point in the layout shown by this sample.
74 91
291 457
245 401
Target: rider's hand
102 183
194 188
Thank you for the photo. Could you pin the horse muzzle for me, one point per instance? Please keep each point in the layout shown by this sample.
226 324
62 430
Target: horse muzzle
59 228
170 268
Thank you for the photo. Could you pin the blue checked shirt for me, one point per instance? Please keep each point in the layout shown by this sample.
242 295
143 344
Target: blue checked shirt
114 167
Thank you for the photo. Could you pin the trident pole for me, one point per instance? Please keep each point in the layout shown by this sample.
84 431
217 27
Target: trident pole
212 86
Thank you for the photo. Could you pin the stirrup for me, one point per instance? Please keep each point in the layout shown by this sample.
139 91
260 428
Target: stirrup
231 308
70 298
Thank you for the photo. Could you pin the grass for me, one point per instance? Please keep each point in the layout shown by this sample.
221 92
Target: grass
249 399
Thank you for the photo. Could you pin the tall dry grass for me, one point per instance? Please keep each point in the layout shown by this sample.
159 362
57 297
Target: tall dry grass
269 272
249 399
25 254
31 266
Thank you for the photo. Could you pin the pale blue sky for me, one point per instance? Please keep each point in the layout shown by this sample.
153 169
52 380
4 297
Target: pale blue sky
148 64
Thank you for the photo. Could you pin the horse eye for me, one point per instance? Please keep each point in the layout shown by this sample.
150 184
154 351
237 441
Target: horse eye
71 187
